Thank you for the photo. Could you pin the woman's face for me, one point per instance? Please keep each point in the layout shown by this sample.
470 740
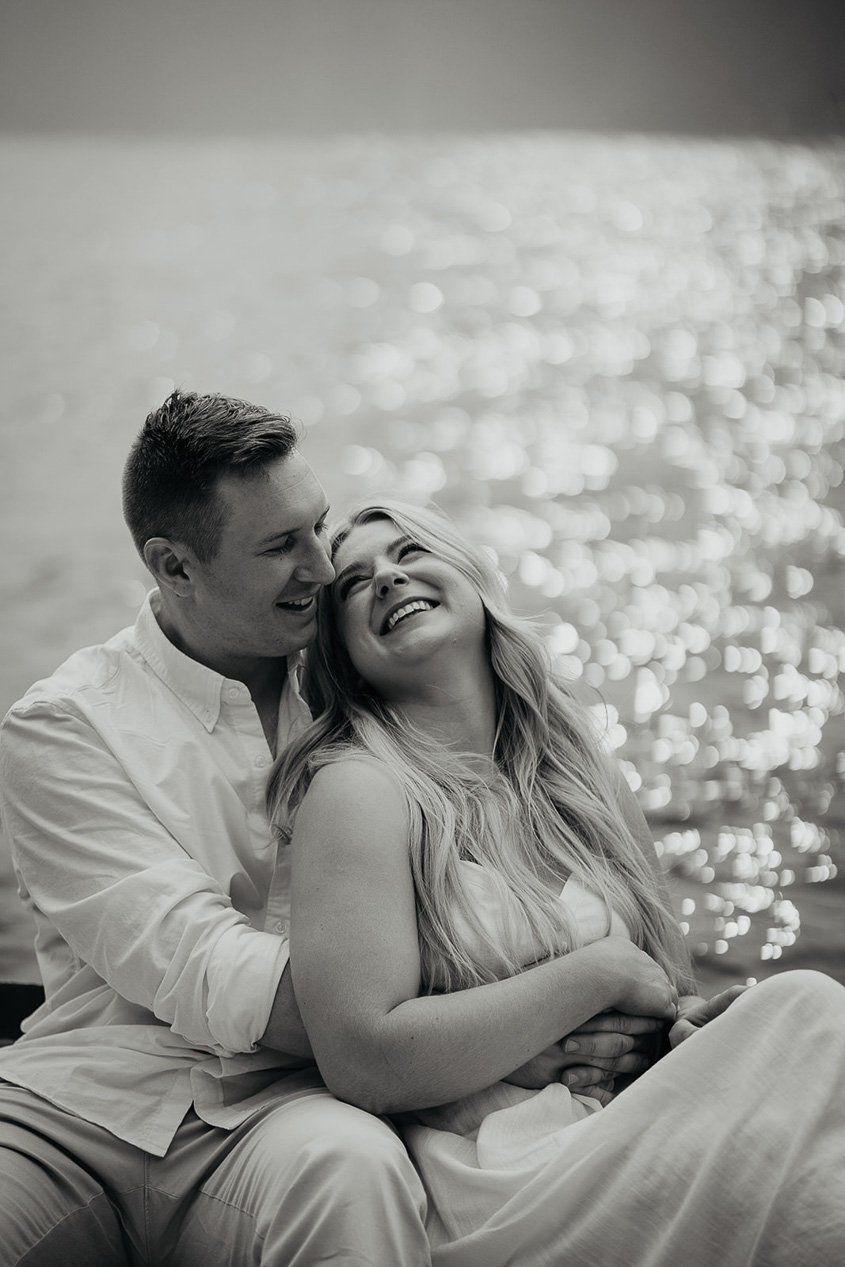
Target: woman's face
405 616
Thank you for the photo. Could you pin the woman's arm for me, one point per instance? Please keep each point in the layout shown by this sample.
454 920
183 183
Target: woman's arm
356 970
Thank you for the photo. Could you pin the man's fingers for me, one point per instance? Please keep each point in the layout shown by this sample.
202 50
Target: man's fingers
632 1063
619 1023
578 1076
581 1075
601 1091
595 1084
606 1045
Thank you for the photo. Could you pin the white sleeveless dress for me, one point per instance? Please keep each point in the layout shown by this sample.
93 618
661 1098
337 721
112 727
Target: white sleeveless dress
729 1152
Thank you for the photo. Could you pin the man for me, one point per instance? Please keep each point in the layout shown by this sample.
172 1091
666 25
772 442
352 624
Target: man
162 1105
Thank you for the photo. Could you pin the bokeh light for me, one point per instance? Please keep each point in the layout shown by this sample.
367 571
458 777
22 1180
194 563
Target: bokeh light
618 361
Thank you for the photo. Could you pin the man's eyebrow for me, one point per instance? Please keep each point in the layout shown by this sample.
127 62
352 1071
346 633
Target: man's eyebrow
356 565
289 532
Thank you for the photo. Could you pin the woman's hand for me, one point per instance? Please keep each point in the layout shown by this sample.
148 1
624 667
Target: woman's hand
632 981
695 1012
592 1056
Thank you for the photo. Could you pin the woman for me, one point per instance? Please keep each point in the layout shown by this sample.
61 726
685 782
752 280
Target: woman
455 827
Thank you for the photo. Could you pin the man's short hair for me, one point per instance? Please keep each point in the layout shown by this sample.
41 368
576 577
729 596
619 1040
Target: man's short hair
184 447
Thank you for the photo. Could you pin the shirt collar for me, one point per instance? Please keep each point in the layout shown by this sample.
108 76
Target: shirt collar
198 687
296 669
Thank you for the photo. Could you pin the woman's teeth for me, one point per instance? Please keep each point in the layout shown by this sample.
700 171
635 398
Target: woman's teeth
418 605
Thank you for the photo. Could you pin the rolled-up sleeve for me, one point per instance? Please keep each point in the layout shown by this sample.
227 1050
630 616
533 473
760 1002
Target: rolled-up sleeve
123 893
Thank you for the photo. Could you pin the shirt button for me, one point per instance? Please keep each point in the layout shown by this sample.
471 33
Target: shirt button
261 762
280 926
233 692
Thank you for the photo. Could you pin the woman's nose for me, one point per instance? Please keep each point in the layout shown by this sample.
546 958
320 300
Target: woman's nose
388 576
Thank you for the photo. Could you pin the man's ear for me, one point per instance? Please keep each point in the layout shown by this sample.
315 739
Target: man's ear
171 564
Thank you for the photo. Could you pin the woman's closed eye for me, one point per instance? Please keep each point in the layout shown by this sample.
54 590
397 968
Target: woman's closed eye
410 547
348 584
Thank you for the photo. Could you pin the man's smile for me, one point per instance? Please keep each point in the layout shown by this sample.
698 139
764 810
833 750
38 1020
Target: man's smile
298 604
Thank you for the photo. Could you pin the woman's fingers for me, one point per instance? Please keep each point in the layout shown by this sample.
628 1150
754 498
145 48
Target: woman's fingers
700 1012
680 1032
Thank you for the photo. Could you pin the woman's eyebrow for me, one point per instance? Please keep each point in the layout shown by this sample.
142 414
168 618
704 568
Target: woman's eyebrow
358 565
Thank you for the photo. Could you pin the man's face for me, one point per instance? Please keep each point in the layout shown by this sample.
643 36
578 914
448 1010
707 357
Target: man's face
257 598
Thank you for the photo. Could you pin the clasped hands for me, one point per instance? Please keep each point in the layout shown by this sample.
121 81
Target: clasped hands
606 1053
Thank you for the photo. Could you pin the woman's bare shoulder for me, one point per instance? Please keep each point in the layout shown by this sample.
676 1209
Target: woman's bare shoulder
358 784
358 769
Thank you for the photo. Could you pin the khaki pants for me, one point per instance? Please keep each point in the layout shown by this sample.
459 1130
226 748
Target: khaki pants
308 1181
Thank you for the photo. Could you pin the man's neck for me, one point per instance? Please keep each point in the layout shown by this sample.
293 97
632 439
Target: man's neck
266 688
264 678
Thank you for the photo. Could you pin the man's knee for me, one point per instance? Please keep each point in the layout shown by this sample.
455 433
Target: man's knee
356 1150
346 1189
319 1145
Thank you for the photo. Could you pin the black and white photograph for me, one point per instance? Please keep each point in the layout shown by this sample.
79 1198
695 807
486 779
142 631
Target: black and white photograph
422 507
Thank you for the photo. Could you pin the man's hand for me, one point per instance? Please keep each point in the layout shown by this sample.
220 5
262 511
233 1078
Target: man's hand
590 1058
694 1012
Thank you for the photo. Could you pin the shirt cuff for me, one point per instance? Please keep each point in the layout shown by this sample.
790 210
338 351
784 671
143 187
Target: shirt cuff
243 976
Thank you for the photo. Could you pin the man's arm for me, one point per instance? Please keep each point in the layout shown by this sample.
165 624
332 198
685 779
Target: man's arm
285 1030
590 1058
122 892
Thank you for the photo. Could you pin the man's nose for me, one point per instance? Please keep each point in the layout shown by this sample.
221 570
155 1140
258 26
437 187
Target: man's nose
317 566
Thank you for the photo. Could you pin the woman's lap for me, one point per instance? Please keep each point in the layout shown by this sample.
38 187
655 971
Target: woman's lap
730 1151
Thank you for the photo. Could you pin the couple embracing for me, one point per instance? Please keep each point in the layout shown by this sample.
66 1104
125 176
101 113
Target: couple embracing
364 957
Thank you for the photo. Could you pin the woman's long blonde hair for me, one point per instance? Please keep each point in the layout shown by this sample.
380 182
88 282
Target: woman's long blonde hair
548 803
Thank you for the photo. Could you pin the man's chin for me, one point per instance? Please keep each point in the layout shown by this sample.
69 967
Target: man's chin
299 631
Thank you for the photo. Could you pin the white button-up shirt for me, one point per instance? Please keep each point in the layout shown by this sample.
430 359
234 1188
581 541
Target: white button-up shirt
133 784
